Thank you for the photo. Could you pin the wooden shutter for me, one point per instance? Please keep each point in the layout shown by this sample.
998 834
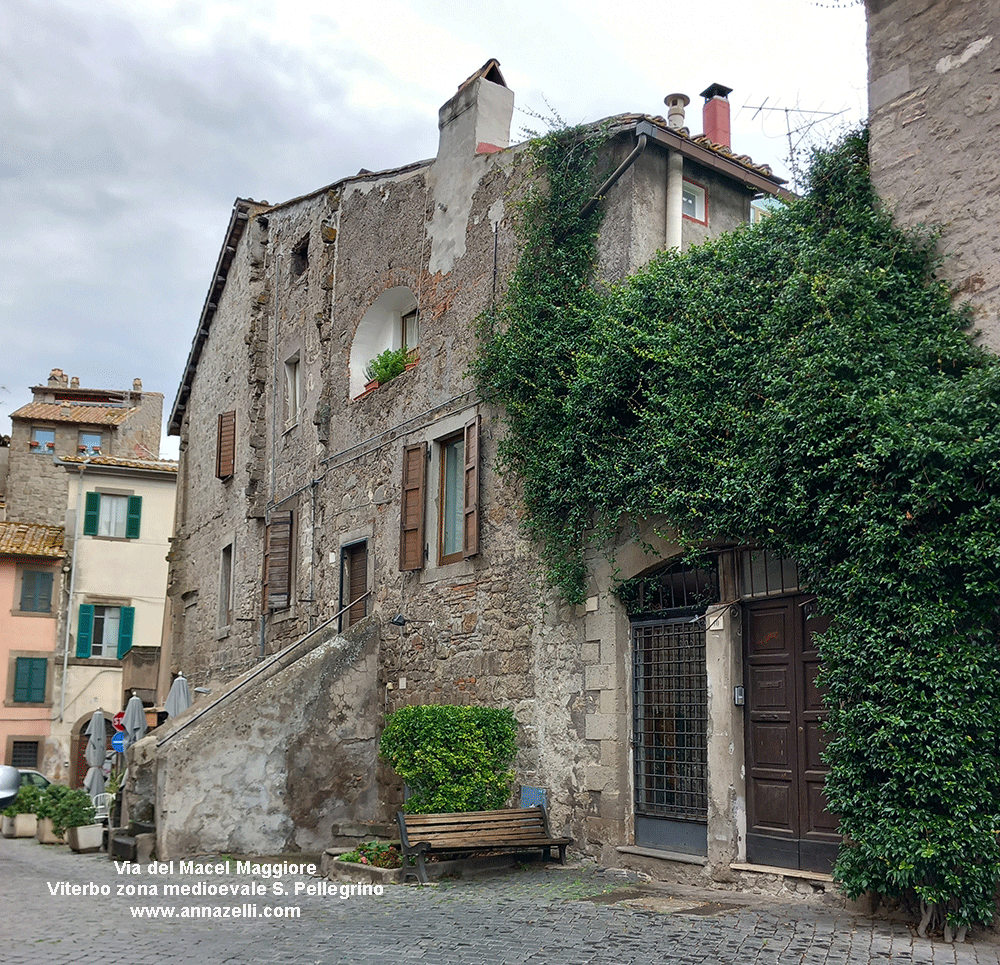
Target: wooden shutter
84 630
133 521
470 531
126 623
225 445
29 680
36 591
278 562
355 581
411 507
91 514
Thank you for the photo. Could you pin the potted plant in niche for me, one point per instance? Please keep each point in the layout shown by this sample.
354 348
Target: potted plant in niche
73 818
47 804
385 367
19 819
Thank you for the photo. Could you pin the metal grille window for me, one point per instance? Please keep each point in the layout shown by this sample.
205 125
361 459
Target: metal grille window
763 574
671 719
672 586
24 754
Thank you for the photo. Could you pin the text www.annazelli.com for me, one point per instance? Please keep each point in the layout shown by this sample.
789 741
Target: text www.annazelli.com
216 911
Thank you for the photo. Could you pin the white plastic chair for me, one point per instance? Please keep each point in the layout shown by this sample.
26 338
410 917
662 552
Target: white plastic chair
102 805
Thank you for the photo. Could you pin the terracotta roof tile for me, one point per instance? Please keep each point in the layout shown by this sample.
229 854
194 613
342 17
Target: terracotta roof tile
99 415
160 465
31 539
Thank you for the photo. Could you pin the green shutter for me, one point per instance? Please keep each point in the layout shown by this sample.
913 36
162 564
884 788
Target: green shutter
29 680
125 625
84 629
134 515
92 514
36 591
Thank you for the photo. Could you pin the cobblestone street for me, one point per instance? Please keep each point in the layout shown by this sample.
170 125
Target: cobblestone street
540 916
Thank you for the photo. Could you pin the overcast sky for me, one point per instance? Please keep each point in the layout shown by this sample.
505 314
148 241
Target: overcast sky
128 127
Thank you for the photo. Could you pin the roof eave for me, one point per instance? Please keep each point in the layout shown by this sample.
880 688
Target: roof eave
238 220
731 168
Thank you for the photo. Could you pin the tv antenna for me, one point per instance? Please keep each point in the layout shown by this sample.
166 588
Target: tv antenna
796 131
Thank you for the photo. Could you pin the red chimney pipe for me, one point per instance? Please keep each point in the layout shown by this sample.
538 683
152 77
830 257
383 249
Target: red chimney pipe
715 114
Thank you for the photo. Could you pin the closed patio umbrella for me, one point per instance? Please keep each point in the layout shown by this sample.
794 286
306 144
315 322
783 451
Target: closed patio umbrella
94 754
179 698
134 721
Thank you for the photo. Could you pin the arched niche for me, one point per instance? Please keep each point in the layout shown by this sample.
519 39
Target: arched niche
389 323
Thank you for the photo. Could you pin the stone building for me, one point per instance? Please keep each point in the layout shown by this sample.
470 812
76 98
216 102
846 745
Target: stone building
83 464
63 419
934 102
315 507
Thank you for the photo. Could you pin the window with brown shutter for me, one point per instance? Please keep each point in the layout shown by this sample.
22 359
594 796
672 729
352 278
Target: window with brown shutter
353 582
225 445
411 510
278 562
470 528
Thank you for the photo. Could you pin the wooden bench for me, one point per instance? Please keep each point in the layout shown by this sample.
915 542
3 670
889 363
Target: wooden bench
512 829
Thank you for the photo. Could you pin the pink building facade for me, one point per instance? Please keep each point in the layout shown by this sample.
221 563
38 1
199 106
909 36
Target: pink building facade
30 571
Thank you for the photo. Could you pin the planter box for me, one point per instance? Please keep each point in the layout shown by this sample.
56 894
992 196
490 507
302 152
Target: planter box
44 833
88 837
336 870
20 826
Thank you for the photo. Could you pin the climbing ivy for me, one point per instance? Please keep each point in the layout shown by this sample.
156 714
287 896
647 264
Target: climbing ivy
804 385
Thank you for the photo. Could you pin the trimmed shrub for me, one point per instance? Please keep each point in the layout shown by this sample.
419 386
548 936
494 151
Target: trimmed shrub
453 758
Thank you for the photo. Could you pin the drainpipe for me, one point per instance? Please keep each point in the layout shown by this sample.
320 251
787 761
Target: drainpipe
640 146
72 587
675 173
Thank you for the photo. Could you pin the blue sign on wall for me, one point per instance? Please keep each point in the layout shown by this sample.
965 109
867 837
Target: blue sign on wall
118 741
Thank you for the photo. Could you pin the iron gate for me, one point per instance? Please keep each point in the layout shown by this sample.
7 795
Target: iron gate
670 732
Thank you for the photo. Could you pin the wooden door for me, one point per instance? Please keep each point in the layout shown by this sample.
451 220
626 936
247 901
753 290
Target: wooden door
788 824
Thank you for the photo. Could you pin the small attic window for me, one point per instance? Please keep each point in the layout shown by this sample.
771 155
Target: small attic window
300 257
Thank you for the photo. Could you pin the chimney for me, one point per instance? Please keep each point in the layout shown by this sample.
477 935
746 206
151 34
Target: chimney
57 377
136 385
74 383
675 110
477 119
715 114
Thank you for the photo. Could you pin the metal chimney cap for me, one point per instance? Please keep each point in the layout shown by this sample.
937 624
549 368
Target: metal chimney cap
671 99
716 90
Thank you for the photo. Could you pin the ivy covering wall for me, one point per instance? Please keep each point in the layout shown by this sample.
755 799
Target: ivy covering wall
805 385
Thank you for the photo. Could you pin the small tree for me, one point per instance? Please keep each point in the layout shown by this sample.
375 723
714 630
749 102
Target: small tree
453 758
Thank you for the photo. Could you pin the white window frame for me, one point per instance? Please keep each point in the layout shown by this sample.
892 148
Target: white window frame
698 202
110 523
105 616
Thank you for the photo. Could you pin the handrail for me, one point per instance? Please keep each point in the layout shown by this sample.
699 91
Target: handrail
261 668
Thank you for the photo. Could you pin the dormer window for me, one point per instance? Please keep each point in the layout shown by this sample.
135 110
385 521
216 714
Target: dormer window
90 443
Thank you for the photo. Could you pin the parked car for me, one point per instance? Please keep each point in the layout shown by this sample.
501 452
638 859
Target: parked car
29 776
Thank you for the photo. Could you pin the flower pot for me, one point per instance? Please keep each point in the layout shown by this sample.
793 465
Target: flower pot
20 826
87 837
44 833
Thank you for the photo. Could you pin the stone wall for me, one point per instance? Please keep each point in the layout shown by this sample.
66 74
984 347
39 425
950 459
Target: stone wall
282 765
934 98
484 629
37 487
